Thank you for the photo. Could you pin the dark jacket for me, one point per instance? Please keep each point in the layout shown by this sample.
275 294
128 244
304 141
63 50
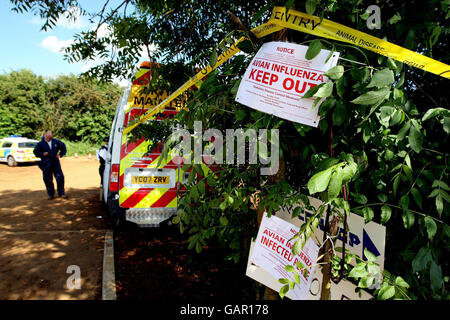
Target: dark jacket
50 160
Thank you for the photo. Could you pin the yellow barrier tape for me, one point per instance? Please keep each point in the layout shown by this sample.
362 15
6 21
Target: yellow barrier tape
328 29
199 76
303 22
259 32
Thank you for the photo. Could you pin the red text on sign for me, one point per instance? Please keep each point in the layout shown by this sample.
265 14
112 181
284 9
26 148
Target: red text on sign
263 76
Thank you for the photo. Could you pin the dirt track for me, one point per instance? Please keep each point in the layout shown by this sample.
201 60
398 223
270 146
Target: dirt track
40 239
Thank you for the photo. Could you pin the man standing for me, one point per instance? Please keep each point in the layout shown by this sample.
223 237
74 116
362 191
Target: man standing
50 151
102 158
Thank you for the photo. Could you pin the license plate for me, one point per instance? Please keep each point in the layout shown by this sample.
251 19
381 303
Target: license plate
150 180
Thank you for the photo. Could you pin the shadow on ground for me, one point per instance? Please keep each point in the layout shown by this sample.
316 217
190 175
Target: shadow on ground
156 264
28 210
40 239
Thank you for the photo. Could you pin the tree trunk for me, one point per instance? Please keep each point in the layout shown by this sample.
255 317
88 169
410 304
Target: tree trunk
326 270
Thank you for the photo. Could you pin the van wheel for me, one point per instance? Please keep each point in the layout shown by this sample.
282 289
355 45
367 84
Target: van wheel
116 215
11 161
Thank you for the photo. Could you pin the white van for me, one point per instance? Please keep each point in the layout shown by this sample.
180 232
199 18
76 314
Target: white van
134 188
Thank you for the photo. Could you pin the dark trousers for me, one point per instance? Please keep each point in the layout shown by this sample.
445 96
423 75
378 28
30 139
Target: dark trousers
101 169
48 180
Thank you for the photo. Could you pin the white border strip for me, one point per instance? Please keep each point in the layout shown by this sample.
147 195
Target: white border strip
109 277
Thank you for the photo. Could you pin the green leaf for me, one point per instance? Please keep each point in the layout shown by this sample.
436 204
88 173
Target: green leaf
261 12
246 46
431 227
198 247
283 280
176 220
402 132
213 58
372 97
395 185
408 173
369 255
319 181
335 185
335 73
191 176
441 184
401 283
313 49
223 221
415 139
381 79
417 195
325 91
340 87
210 179
447 231
292 285
297 211
240 115
386 292
404 202
382 197
435 276
300 265
366 282
372 267
358 271
408 219
305 273
446 125
391 64
289 268
439 204
199 169
194 193
397 117
386 114
310 6
421 260
289 4
360 198
368 214
297 278
339 114
348 172
284 290
235 88
297 247
201 186
311 92
395 18
385 214
431 113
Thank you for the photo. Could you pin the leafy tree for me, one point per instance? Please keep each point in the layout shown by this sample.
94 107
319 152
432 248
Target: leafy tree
21 99
75 109
383 133
80 110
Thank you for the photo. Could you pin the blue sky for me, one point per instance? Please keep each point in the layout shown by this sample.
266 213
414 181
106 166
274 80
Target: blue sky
24 46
